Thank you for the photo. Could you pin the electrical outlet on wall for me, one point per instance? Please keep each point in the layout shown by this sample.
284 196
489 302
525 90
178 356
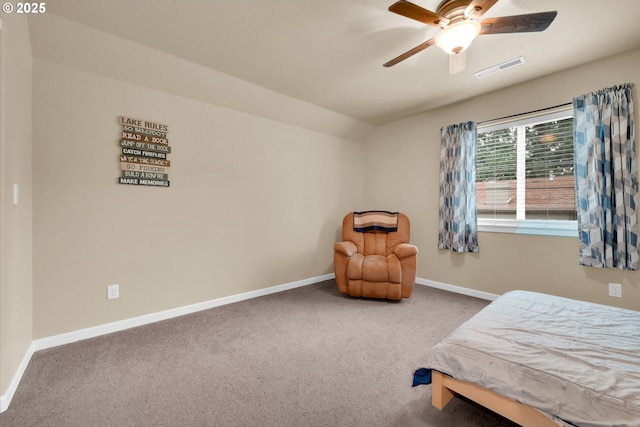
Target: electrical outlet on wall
113 291
615 290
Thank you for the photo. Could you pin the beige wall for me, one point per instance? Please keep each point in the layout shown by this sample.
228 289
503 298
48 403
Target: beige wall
15 220
505 261
259 182
252 203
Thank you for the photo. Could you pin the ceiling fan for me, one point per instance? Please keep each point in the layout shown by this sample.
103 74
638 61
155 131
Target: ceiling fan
457 21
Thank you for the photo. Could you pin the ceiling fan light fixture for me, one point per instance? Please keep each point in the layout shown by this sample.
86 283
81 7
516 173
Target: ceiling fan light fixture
457 37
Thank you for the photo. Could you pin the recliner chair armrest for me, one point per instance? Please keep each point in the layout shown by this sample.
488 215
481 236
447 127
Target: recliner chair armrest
403 250
345 248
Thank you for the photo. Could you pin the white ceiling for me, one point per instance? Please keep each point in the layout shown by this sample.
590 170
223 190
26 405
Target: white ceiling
330 52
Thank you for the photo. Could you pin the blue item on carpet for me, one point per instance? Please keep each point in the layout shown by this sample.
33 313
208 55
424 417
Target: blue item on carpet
421 377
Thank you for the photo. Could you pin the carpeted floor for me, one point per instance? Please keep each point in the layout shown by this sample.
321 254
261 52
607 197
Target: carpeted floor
304 357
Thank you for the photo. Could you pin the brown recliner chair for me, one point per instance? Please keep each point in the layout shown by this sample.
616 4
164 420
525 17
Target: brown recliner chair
375 258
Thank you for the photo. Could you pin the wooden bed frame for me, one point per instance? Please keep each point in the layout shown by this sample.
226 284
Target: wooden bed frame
444 388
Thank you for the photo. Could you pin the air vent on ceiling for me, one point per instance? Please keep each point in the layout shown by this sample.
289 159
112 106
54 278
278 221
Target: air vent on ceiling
500 67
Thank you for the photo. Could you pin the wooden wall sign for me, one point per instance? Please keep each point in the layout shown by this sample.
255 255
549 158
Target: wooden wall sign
143 159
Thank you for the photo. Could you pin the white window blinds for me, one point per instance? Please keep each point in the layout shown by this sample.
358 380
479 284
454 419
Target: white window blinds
524 168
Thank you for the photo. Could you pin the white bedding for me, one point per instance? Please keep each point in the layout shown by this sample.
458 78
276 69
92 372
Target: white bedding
571 359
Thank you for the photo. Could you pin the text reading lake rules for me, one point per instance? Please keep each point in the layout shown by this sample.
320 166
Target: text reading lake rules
145 147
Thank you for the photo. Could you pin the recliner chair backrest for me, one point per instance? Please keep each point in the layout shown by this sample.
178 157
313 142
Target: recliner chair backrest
376 242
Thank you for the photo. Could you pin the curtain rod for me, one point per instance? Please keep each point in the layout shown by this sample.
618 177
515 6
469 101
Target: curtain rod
526 114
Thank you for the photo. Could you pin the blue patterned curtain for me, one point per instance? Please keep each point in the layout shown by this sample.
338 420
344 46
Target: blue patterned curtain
606 178
458 216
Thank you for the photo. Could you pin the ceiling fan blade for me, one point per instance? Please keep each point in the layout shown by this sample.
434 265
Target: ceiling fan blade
420 14
477 8
518 23
457 63
410 53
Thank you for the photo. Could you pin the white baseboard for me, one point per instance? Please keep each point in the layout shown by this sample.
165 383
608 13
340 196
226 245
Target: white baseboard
5 399
457 289
69 337
107 328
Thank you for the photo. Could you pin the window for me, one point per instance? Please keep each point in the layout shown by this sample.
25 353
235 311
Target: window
524 175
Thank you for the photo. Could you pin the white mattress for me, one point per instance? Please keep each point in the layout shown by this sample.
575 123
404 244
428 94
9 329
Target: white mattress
571 359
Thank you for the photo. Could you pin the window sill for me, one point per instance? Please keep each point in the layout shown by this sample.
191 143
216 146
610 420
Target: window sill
531 227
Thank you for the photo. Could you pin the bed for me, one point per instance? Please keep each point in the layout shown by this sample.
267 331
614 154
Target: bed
542 360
